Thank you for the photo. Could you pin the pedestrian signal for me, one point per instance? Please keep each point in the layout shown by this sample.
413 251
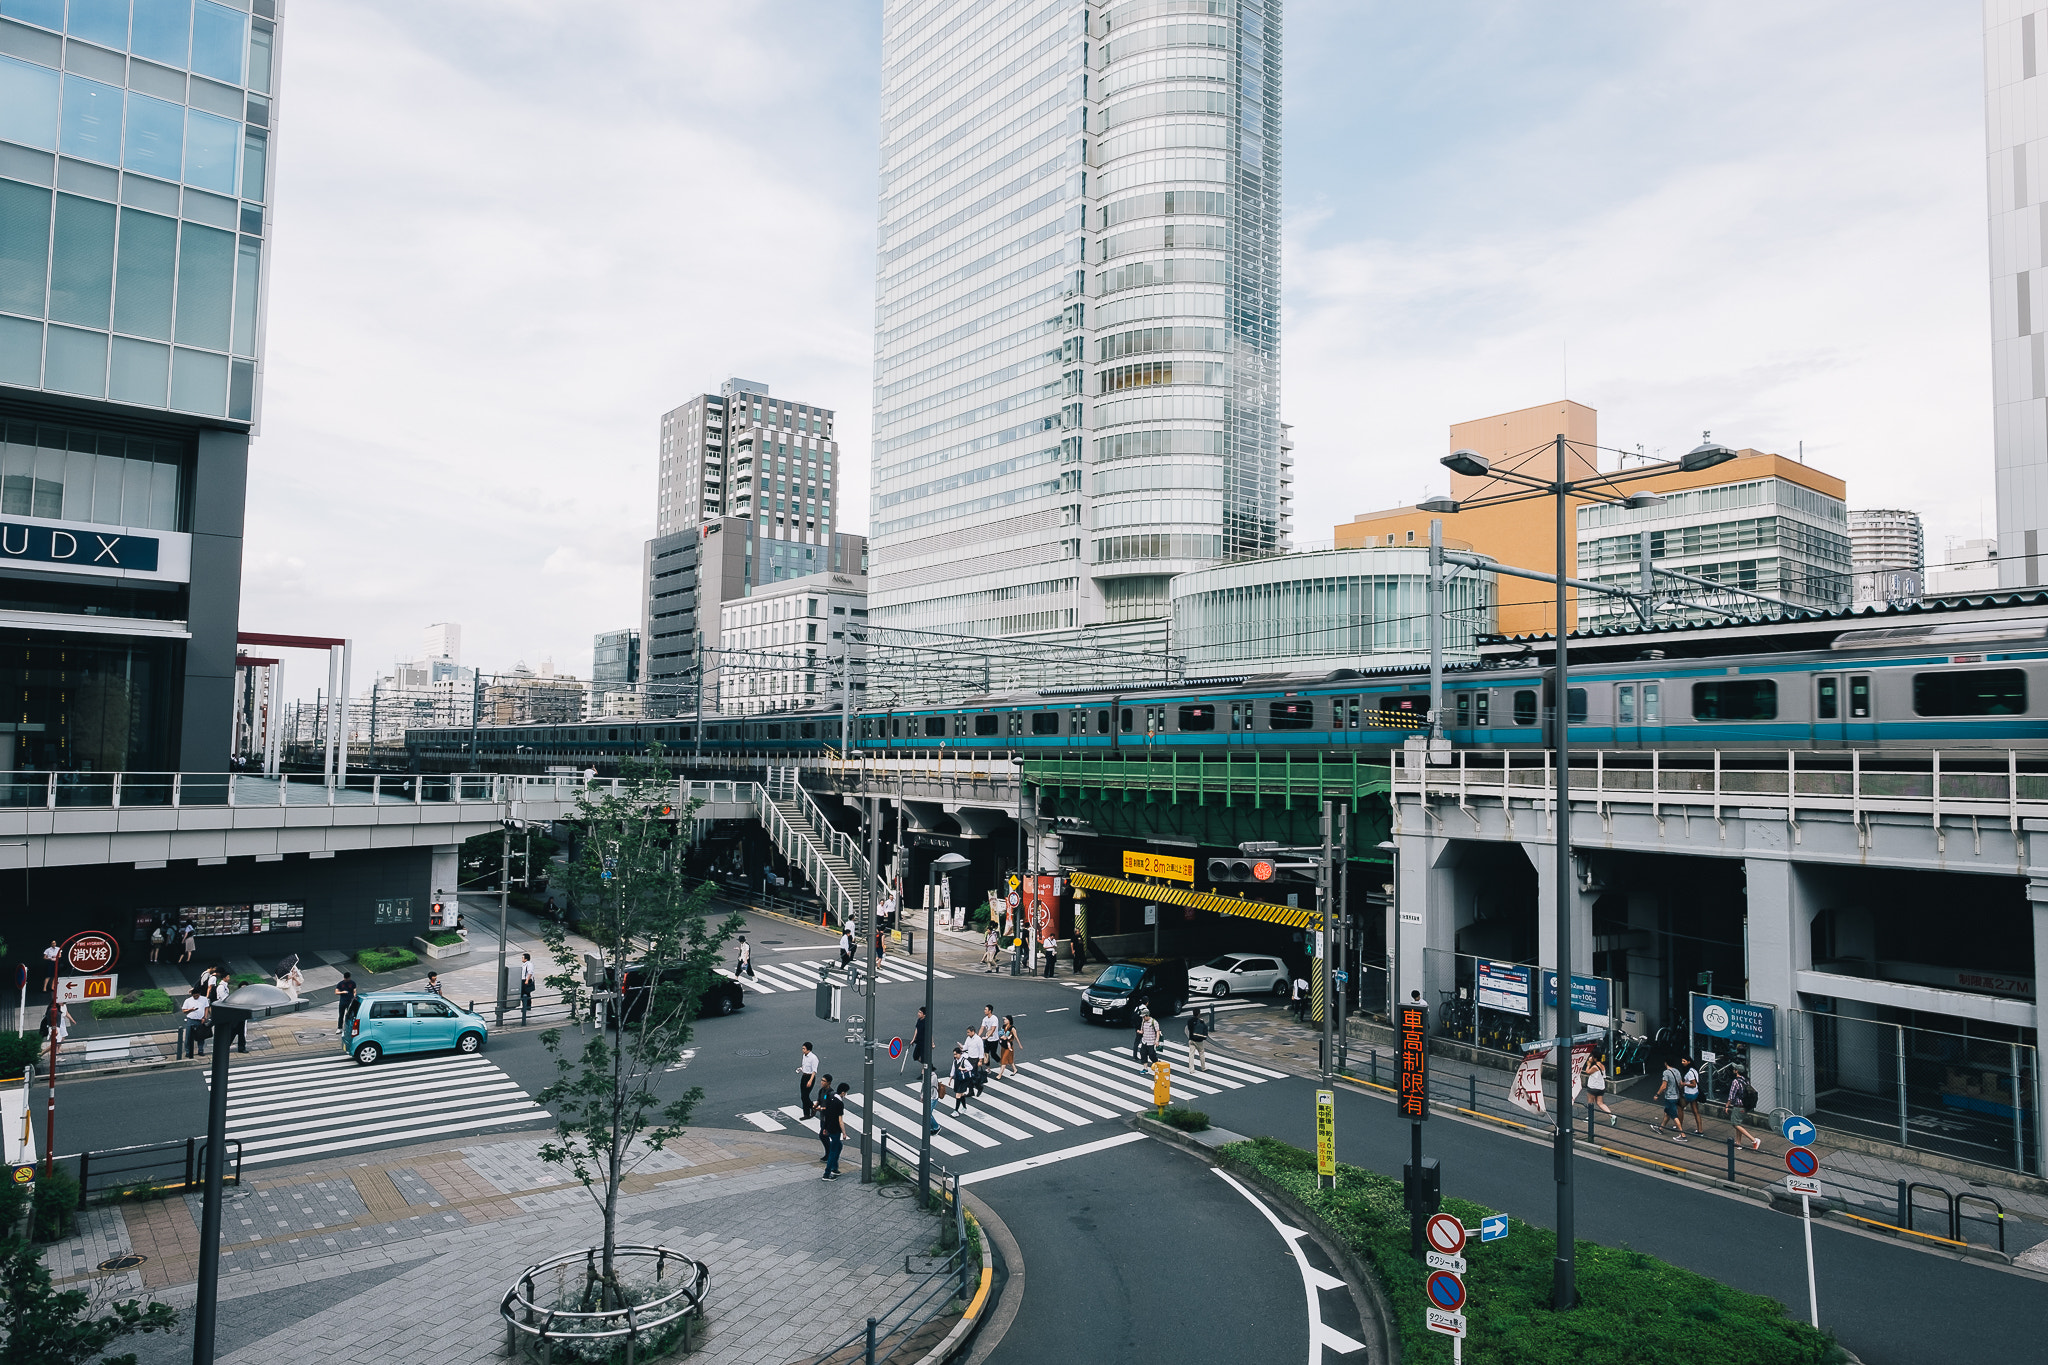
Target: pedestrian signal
1223 870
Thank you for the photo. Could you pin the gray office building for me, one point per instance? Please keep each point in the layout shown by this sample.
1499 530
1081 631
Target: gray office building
137 157
1077 346
743 452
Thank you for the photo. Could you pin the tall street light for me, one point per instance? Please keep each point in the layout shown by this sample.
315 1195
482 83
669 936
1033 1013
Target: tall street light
1600 488
227 1015
944 865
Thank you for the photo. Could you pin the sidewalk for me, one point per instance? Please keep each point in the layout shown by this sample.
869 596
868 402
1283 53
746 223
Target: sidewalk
405 1257
1864 1183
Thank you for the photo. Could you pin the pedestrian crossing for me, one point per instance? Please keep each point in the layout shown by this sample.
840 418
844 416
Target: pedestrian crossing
1048 1096
289 1111
770 977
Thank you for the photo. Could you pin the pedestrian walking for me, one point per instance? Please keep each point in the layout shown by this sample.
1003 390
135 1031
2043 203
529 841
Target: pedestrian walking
192 1012
1198 1039
344 1001
188 941
990 946
1050 951
962 1080
806 1077
1742 1094
919 1042
1668 1086
880 951
833 1125
1006 1043
1148 1038
745 965
1596 1091
50 956
57 1023
526 984
1300 999
293 981
1080 956
223 987
977 1059
824 1131
846 946
989 1025
434 984
157 939
1689 1096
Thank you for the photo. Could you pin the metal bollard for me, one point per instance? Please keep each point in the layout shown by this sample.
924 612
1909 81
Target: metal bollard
1731 1161
1373 1057
1472 1091
1902 1204
871 1342
1589 1123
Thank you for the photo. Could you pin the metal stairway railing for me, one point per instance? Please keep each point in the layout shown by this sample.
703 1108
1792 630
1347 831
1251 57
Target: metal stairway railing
830 861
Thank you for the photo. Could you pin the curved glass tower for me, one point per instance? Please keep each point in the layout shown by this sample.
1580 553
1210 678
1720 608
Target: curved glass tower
1077 308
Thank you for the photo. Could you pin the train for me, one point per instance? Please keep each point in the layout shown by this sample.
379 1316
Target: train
1950 676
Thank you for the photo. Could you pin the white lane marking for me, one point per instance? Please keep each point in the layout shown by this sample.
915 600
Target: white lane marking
761 1120
1035 1076
989 1121
1319 1336
905 1127
424 1104
468 1126
1022 1115
1060 1110
1061 1010
263 1139
1047 1158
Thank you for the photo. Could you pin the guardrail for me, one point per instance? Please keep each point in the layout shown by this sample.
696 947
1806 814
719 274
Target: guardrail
153 1167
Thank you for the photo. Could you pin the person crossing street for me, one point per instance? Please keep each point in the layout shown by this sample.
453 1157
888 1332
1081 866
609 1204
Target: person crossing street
526 984
1148 1038
806 1077
1198 1039
833 1125
344 1001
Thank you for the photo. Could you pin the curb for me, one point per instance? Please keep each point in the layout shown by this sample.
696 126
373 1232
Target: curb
984 1299
1366 1293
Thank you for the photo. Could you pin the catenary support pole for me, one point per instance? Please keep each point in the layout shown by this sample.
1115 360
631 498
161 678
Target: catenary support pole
870 925
931 1052
1436 629
1564 1287
504 907
697 730
1327 930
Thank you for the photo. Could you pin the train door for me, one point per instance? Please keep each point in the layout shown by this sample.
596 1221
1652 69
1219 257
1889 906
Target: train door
1830 720
1861 724
1638 714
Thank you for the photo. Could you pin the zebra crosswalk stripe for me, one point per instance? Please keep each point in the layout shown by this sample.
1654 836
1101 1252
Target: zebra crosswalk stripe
291 1110
770 977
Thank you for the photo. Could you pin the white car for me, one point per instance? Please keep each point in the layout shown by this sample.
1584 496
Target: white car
1239 974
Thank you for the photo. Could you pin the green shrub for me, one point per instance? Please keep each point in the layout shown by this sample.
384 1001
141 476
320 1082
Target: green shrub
13 1202
1632 1307
150 1000
18 1052
56 1201
447 938
376 960
1185 1119
250 979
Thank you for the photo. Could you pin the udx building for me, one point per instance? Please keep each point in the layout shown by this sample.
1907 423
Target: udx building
1077 311
135 181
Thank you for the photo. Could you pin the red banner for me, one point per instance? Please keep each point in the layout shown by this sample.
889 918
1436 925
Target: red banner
1045 897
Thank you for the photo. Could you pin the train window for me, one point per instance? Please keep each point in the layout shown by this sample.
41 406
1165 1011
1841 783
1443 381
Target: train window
1653 711
1045 722
1077 724
1102 722
1352 705
1525 707
1464 710
775 732
1236 716
1125 722
960 725
1481 701
810 729
1735 699
1859 697
1197 718
1575 705
1290 715
867 728
683 732
1981 692
896 727
1625 704
984 724
611 735
1827 698
934 727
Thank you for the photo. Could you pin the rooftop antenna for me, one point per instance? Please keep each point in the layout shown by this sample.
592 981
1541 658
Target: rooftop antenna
1802 452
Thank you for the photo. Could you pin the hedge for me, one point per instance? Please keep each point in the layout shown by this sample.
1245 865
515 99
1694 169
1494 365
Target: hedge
1632 1307
149 1000
18 1051
377 960
447 938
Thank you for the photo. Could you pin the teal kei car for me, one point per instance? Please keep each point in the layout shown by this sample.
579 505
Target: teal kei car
390 1022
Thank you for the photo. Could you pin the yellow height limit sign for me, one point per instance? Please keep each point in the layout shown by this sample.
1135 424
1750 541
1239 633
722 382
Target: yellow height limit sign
1159 865
1326 1133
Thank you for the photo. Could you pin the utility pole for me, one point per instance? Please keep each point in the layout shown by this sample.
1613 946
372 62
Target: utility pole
1327 932
476 711
869 806
504 909
1350 968
1436 630
1564 1292
698 729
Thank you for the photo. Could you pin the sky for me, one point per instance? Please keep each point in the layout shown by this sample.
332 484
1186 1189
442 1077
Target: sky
510 235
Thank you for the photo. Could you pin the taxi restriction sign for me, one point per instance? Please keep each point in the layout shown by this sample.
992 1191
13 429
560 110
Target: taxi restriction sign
1326 1132
1446 1234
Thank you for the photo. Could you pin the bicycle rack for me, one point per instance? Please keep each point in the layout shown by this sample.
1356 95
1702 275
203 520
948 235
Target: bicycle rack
1957 1204
1948 1199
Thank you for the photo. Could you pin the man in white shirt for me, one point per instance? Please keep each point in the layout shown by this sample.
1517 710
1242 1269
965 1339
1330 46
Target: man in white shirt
526 984
977 1057
192 1011
50 956
989 1025
806 1077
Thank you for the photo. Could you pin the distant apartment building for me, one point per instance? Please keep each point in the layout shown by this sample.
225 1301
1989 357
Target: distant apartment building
1760 523
789 645
524 697
1888 552
1077 322
1969 567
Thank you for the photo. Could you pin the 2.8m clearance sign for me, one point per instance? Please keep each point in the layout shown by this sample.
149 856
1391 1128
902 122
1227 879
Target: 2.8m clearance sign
1159 865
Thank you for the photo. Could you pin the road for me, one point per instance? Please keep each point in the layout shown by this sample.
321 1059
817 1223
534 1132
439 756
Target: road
1128 1247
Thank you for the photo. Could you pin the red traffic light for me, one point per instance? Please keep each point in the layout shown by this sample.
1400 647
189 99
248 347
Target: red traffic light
1262 871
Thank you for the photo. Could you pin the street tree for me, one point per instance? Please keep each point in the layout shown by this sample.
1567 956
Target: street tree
43 1325
635 905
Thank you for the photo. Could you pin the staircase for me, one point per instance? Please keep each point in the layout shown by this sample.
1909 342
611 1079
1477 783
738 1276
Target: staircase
832 863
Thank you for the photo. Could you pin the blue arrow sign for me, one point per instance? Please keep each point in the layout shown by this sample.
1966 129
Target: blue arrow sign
1799 1130
1494 1228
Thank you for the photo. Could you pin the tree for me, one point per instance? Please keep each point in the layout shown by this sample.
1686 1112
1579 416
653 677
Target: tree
633 901
39 1325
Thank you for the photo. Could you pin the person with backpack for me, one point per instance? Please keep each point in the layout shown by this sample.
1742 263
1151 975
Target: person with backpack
1741 1091
1596 1090
1148 1038
157 939
961 1080
1668 1087
1198 1039
1689 1097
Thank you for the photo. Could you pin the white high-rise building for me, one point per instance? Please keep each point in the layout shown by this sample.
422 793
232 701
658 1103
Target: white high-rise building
2016 164
1077 308
442 642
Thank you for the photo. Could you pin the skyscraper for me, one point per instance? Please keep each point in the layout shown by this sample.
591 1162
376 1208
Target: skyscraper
1077 308
135 187
2016 165
744 452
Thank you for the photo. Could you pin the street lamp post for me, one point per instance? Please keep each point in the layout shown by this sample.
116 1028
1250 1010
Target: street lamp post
226 1014
1564 1286
943 865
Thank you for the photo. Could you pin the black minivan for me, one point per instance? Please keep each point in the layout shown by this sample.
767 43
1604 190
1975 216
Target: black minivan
1160 984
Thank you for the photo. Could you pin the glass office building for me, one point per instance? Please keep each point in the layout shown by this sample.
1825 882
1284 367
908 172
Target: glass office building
1077 310
136 166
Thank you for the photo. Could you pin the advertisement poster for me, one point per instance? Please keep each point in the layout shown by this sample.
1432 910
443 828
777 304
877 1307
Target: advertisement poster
1504 986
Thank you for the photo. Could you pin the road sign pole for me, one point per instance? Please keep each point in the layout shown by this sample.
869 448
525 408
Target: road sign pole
1812 1297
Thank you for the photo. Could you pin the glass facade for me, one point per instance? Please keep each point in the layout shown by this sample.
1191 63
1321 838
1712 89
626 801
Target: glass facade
84 703
1078 267
134 167
1359 609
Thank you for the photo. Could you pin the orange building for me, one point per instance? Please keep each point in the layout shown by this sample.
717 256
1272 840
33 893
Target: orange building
1524 534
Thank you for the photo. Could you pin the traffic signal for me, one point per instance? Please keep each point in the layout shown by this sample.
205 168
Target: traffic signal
1222 870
